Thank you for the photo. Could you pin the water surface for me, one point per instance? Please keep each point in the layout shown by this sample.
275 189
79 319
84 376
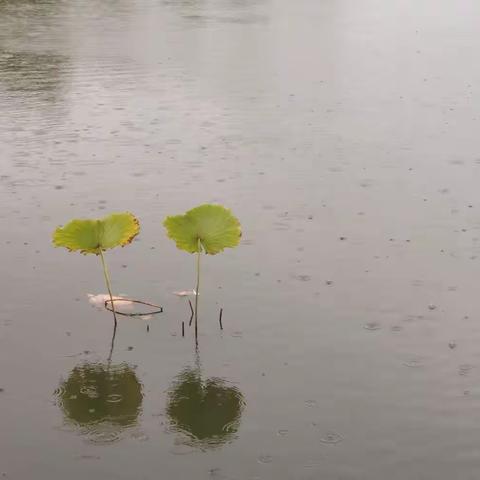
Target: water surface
344 135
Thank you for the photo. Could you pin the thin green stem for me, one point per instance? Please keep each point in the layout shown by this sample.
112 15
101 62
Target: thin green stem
196 291
109 287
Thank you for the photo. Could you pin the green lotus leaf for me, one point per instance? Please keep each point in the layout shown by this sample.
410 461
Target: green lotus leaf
213 226
91 236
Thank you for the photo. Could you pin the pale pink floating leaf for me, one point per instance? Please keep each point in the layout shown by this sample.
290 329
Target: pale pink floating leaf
99 300
185 293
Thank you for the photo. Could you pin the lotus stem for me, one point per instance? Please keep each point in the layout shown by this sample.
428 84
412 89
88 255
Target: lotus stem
196 291
109 287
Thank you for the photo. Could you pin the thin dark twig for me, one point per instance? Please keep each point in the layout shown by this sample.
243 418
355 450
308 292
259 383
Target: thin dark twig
191 317
220 319
112 343
107 302
183 329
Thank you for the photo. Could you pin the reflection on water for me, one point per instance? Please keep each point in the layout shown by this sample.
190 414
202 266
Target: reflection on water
207 411
29 73
101 400
33 70
234 12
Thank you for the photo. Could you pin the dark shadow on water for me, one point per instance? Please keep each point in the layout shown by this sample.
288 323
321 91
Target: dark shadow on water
101 400
33 73
206 411
33 69
222 11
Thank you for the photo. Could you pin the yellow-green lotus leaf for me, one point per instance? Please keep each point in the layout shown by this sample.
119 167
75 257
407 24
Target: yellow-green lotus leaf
91 236
213 226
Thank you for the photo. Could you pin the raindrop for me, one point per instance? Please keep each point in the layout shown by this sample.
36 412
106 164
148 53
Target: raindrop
114 398
465 369
265 459
103 438
141 437
215 473
303 278
89 391
413 363
331 438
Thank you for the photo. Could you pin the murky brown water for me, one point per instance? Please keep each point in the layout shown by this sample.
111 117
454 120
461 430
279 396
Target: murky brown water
345 136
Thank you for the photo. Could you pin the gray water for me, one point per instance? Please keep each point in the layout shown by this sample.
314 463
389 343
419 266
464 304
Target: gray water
345 136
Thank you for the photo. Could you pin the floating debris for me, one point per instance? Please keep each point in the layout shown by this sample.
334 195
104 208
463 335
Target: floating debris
185 293
99 300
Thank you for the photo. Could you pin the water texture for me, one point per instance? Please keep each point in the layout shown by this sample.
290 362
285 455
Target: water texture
344 136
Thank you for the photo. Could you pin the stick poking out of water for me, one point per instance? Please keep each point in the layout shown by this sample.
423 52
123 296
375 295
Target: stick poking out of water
191 310
183 329
220 319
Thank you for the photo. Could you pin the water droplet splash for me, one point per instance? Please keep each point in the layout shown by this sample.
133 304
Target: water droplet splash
331 438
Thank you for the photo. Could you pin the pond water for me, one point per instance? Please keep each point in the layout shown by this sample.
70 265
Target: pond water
345 136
